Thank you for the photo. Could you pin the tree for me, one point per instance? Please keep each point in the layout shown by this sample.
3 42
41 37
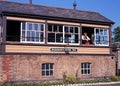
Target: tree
116 34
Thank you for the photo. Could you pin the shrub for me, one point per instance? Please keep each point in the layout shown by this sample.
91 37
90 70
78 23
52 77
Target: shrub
115 78
70 79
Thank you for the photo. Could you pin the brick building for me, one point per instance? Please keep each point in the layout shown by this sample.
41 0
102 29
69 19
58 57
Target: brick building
42 43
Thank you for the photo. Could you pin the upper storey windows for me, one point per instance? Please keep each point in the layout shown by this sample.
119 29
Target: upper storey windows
41 33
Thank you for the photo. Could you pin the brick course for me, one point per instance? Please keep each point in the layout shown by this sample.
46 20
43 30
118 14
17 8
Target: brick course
28 67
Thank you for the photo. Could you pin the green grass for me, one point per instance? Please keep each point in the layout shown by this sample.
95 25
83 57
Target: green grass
70 80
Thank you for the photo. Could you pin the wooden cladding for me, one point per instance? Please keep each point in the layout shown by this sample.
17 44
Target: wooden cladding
63 23
56 22
47 49
96 26
25 19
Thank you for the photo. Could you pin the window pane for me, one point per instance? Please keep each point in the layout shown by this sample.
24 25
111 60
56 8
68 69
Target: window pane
41 37
55 28
28 36
36 27
76 38
51 72
88 71
71 29
51 66
82 71
67 38
76 29
51 37
59 38
37 36
60 28
47 66
101 32
23 35
47 73
82 66
50 28
42 27
66 29
29 26
105 32
23 25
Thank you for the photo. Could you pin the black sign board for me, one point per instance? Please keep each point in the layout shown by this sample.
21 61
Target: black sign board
63 49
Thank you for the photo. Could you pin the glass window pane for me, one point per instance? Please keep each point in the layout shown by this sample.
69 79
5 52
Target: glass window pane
33 36
51 37
55 28
85 71
76 29
36 27
51 72
42 27
47 73
23 25
66 29
37 36
71 29
28 36
41 36
89 71
76 38
101 32
51 66
105 32
47 66
50 28
29 26
23 35
67 38
59 38
60 28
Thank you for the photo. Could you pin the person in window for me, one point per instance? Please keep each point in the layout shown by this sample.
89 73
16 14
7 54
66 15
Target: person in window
85 39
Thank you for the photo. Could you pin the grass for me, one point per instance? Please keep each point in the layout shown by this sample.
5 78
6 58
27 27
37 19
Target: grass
70 80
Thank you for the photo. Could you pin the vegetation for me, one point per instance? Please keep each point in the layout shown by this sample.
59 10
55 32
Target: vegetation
116 34
69 80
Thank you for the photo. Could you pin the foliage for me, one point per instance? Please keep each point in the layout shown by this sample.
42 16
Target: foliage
70 79
115 78
116 34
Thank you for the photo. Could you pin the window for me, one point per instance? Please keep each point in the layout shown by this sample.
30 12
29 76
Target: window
71 34
32 32
63 34
101 37
97 36
55 33
86 68
47 69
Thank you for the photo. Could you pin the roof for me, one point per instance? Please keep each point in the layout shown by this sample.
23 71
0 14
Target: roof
38 10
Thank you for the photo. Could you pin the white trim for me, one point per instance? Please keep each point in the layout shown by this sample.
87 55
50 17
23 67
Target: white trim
26 29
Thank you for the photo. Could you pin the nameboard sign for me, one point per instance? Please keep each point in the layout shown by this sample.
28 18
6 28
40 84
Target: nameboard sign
63 49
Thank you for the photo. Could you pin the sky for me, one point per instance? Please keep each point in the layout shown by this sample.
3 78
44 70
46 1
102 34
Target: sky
108 8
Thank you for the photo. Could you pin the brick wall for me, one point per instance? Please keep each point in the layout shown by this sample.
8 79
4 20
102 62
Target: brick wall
28 67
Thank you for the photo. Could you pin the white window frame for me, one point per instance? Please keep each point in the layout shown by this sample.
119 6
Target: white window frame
101 35
88 68
49 69
63 43
26 28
